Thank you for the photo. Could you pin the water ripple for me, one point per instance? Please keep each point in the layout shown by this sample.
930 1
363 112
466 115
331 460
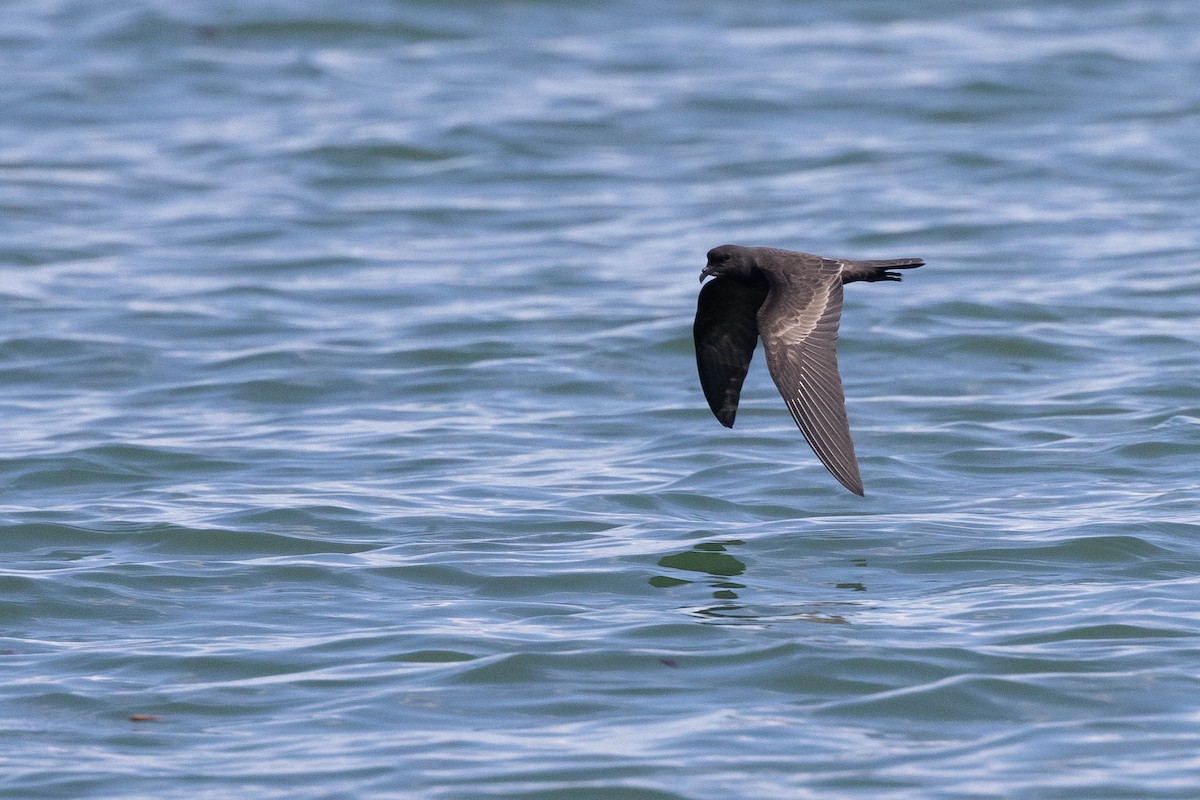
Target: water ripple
355 448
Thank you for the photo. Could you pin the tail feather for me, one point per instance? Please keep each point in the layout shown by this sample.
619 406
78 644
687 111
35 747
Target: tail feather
882 270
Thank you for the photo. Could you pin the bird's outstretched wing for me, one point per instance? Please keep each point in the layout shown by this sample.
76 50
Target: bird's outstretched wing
799 332
726 331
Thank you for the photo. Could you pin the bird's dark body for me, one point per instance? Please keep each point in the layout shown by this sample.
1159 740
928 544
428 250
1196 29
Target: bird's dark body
793 302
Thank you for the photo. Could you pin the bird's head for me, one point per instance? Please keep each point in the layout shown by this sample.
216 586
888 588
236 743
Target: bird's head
728 259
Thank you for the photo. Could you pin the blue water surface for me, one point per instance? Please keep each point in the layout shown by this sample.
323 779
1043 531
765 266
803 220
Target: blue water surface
352 443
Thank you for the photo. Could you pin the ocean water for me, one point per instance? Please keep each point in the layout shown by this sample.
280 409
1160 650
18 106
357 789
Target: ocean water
353 447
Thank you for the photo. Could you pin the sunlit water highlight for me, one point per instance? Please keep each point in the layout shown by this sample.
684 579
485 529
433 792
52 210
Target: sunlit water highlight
354 446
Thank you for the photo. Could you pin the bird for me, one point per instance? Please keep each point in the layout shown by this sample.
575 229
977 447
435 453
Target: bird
793 302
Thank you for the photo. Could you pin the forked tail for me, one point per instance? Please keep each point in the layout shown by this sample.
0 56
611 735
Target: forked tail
872 271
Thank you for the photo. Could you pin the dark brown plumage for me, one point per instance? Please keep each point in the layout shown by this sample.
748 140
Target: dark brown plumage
793 302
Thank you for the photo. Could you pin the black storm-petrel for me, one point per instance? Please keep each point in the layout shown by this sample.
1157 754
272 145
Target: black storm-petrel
793 301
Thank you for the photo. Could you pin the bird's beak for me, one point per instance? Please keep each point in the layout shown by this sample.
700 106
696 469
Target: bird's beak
704 273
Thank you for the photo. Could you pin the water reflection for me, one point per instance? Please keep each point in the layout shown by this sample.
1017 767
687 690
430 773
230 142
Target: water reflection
717 565
709 558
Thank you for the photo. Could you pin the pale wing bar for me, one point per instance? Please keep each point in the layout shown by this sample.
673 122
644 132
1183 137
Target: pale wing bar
806 374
